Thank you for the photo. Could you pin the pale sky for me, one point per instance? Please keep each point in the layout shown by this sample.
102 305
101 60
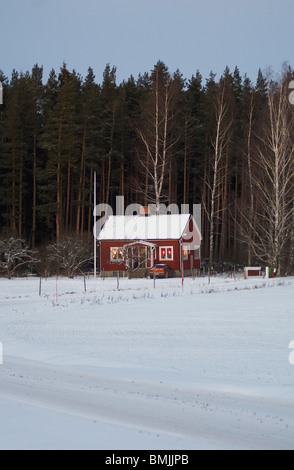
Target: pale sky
133 35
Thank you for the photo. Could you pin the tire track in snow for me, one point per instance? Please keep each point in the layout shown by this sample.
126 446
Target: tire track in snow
226 419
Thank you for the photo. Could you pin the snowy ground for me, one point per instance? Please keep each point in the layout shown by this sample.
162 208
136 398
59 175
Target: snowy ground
206 367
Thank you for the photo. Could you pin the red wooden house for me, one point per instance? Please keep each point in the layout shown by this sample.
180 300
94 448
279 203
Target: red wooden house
172 239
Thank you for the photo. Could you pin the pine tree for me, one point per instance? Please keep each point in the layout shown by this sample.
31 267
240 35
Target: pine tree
129 108
36 122
3 117
90 110
109 114
194 140
16 151
61 140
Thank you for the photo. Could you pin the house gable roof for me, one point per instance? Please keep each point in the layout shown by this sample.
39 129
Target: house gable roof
138 227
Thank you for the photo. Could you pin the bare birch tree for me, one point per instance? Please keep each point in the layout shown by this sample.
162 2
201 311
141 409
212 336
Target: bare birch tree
248 156
155 133
219 143
268 230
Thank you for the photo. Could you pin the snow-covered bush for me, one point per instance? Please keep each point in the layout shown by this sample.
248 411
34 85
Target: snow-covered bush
14 255
73 256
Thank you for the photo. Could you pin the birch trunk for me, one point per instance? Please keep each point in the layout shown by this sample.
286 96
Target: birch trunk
223 127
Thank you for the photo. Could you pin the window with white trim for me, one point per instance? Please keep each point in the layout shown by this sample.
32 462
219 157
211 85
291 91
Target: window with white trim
116 254
186 252
197 252
166 253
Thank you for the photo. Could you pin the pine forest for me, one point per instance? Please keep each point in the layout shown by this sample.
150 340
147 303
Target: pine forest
225 143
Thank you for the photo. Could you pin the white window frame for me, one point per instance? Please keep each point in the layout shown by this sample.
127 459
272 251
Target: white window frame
117 258
197 252
186 252
165 258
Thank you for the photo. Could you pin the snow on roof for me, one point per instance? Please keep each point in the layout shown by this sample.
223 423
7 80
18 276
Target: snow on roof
138 227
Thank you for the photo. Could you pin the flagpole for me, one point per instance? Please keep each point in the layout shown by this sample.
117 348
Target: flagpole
95 240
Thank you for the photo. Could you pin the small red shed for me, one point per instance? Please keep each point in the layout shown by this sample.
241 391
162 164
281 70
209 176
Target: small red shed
250 271
172 239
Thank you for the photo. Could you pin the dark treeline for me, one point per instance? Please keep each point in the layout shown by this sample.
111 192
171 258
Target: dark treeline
159 138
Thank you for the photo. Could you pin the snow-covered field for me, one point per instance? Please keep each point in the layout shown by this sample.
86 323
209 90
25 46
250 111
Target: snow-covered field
204 367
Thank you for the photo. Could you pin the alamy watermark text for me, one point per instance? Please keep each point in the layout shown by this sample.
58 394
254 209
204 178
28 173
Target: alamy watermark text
103 211
291 355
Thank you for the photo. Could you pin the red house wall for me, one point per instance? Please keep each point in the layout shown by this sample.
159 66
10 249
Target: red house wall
191 263
106 265
175 262
191 239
